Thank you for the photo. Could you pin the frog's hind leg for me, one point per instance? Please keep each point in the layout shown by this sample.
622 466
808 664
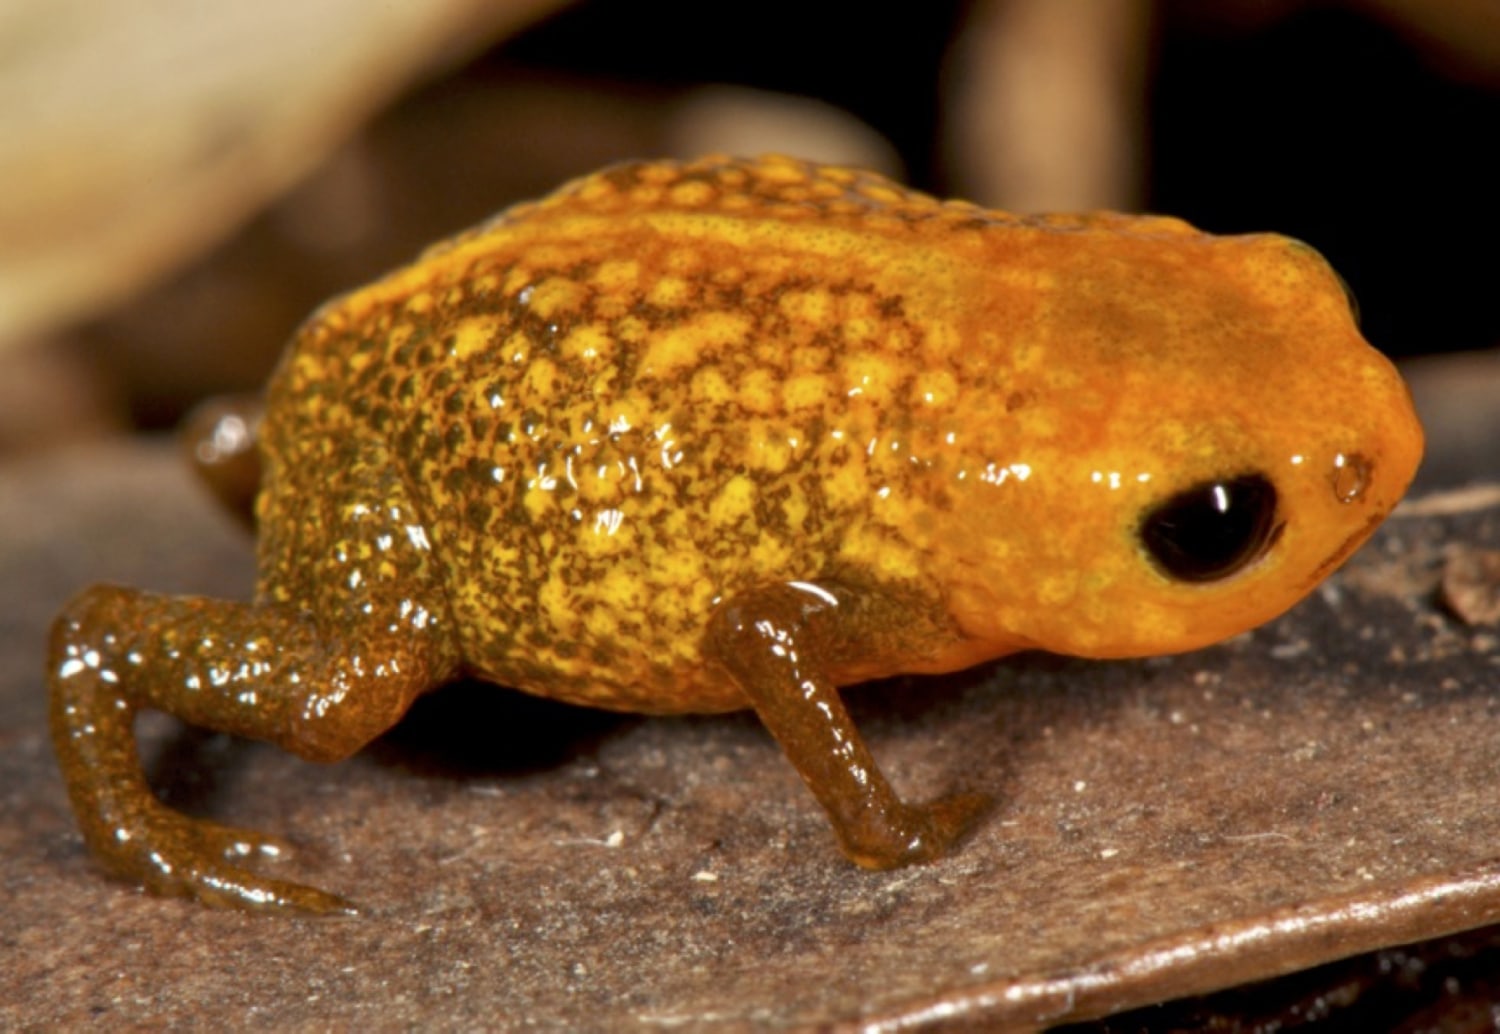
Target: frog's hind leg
320 675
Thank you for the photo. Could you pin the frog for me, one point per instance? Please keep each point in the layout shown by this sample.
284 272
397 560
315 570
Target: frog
722 434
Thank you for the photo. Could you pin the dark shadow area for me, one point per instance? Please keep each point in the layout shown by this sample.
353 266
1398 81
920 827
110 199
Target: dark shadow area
195 770
469 729
1329 127
884 69
465 730
1442 986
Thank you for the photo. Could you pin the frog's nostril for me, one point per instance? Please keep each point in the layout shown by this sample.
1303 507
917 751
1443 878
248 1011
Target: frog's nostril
1350 476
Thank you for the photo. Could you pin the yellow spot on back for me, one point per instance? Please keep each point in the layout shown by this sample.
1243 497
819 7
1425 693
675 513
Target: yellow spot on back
472 336
594 188
541 378
807 391
598 541
815 306
538 503
617 275
734 501
934 388
632 329
693 192
645 196
516 279
670 292
557 296
600 621
883 195
795 510
399 335
846 485
780 169
587 342
708 385
621 588
941 338
771 452
517 348
760 392
694 340
679 567
770 554
870 375
556 600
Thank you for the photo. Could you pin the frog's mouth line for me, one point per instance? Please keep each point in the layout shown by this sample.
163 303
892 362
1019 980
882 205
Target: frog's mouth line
1345 549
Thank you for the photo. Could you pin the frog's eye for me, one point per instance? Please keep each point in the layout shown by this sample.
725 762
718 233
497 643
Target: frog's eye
1213 529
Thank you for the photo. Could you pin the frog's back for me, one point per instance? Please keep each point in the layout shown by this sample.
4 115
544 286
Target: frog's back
651 390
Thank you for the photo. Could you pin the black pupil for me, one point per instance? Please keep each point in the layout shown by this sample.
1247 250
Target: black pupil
1211 530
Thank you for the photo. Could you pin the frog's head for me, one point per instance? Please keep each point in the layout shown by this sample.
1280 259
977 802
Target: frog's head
1223 440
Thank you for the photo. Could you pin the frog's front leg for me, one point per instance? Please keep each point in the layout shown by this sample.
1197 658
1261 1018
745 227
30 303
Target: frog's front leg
265 671
778 643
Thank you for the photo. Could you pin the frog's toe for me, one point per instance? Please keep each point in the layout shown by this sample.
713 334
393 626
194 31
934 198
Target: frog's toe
916 833
216 880
950 818
935 827
228 886
182 857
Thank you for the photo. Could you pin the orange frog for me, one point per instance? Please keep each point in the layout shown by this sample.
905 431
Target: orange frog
697 437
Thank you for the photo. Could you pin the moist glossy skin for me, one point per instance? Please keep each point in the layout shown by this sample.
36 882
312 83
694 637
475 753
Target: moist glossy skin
734 434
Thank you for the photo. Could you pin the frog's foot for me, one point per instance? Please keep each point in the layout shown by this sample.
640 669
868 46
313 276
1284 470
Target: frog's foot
776 643
182 857
911 833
